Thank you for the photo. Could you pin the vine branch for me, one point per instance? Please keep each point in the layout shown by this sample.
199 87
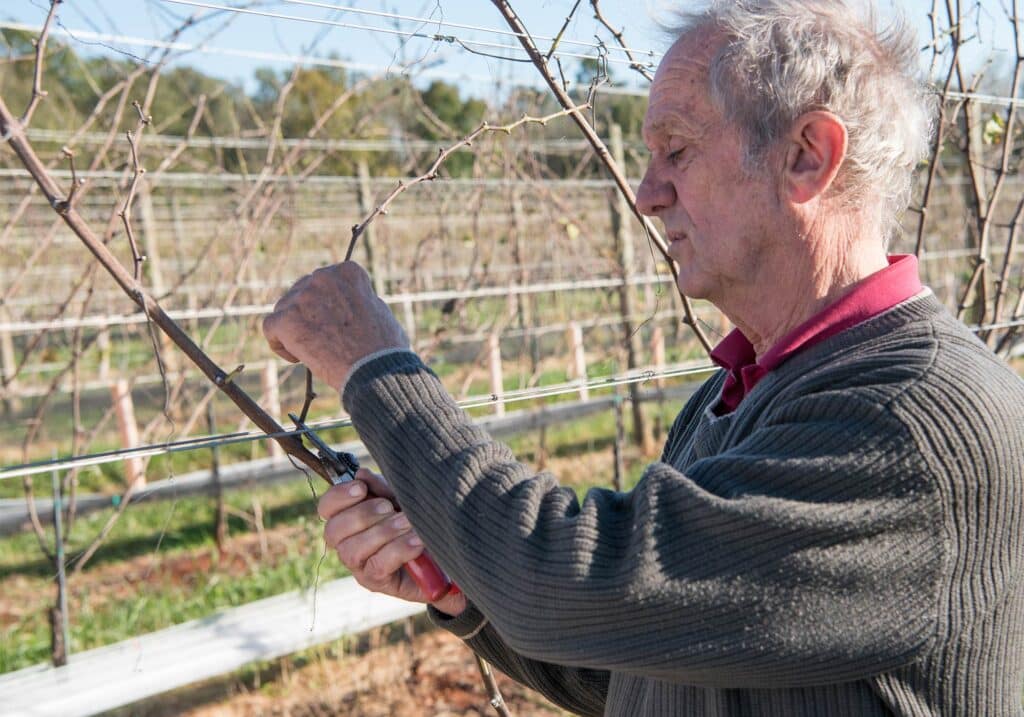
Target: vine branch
38 93
15 131
137 171
443 154
635 64
516 25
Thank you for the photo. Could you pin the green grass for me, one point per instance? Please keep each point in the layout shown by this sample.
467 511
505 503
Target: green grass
167 531
183 528
162 605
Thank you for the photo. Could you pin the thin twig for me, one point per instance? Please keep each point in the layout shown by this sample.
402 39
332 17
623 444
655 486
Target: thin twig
565 25
171 158
23 148
307 400
940 138
137 171
602 153
38 93
1002 281
617 34
497 701
442 156
66 204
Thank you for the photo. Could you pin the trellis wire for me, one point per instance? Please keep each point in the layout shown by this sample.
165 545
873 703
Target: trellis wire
313 60
262 309
202 442
447 23
303 59
436 37
351 145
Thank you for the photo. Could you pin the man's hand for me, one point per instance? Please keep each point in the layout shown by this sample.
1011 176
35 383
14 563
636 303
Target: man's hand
374 541
329 320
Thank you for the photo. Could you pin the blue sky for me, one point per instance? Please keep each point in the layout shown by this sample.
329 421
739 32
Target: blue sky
96 24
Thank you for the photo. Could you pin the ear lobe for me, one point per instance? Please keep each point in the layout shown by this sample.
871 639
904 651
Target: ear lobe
817 148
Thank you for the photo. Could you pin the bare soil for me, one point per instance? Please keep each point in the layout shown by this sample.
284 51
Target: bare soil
434 675
431 674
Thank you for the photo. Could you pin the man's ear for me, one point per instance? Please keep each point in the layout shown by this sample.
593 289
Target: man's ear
816 149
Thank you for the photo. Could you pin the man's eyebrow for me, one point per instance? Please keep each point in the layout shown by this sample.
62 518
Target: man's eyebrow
675 123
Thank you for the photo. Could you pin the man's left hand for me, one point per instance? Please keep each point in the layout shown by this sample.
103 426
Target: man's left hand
329 320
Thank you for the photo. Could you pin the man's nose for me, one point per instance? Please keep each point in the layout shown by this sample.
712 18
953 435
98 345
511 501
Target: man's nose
654 194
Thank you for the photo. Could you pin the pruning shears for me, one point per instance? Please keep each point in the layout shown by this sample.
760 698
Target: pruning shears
341 467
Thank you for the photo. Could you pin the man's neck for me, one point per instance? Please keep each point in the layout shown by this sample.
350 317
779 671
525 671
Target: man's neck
766 315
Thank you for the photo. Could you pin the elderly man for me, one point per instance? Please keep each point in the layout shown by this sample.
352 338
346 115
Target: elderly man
836 524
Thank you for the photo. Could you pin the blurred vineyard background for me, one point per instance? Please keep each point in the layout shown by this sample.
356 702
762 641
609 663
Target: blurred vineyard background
519 274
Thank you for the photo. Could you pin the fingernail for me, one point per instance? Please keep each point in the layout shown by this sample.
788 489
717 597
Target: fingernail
414 541
356 490
383 508
400 522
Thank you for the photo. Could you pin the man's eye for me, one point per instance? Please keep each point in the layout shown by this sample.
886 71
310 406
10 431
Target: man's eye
675 155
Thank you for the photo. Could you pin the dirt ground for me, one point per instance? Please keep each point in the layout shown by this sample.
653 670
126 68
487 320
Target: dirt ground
433 676
385 675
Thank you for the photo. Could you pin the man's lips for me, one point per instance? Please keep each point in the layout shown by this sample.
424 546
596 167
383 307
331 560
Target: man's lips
674 241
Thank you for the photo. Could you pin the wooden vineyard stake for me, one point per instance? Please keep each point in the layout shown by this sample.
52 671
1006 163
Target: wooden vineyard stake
272 400
497 379
124 410
578 367
658 354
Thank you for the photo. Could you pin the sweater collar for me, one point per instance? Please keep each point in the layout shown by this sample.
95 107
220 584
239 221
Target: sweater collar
871 296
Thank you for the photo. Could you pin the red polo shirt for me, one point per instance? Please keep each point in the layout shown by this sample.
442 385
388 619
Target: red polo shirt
871 296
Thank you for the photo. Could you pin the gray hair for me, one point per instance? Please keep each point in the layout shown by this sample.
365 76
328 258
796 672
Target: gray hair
782 58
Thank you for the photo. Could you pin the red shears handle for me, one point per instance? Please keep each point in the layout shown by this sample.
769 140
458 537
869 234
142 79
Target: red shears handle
426 573
430 578
342 468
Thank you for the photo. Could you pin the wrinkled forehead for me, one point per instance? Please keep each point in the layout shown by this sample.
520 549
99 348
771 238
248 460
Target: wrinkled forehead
679 92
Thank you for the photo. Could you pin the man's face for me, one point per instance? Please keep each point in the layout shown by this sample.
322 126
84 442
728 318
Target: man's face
717 218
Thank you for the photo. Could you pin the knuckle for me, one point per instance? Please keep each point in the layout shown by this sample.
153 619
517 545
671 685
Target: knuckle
365 580
374 569
347 557
332 533
325 507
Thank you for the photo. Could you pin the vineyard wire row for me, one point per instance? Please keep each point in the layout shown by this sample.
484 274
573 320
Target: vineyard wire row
350 145
436 37
312 60
478 401
462 26
410 298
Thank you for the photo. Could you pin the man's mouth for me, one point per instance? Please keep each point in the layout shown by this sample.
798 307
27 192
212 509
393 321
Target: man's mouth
674 239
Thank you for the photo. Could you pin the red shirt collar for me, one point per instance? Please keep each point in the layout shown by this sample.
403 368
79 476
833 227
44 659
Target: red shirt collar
871 296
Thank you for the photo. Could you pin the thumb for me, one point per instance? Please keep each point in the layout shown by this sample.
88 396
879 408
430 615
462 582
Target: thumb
270 331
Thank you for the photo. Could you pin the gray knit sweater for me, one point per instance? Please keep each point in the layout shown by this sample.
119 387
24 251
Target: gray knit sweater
849 541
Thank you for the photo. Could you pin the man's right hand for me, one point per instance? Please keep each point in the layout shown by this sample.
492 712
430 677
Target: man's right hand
374 540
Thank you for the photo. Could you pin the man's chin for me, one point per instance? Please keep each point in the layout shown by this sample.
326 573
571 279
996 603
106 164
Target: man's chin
692 287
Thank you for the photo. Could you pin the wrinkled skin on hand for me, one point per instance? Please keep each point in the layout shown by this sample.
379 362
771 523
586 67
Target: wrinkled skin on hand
374 541
329 320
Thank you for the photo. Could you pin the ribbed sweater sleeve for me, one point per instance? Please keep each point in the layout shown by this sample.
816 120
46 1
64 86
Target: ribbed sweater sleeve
809 552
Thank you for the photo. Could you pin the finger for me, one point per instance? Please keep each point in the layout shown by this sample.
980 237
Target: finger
340 497
376 483
385 562
281 351
355 520
271 330
359 549
286 298
353 273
